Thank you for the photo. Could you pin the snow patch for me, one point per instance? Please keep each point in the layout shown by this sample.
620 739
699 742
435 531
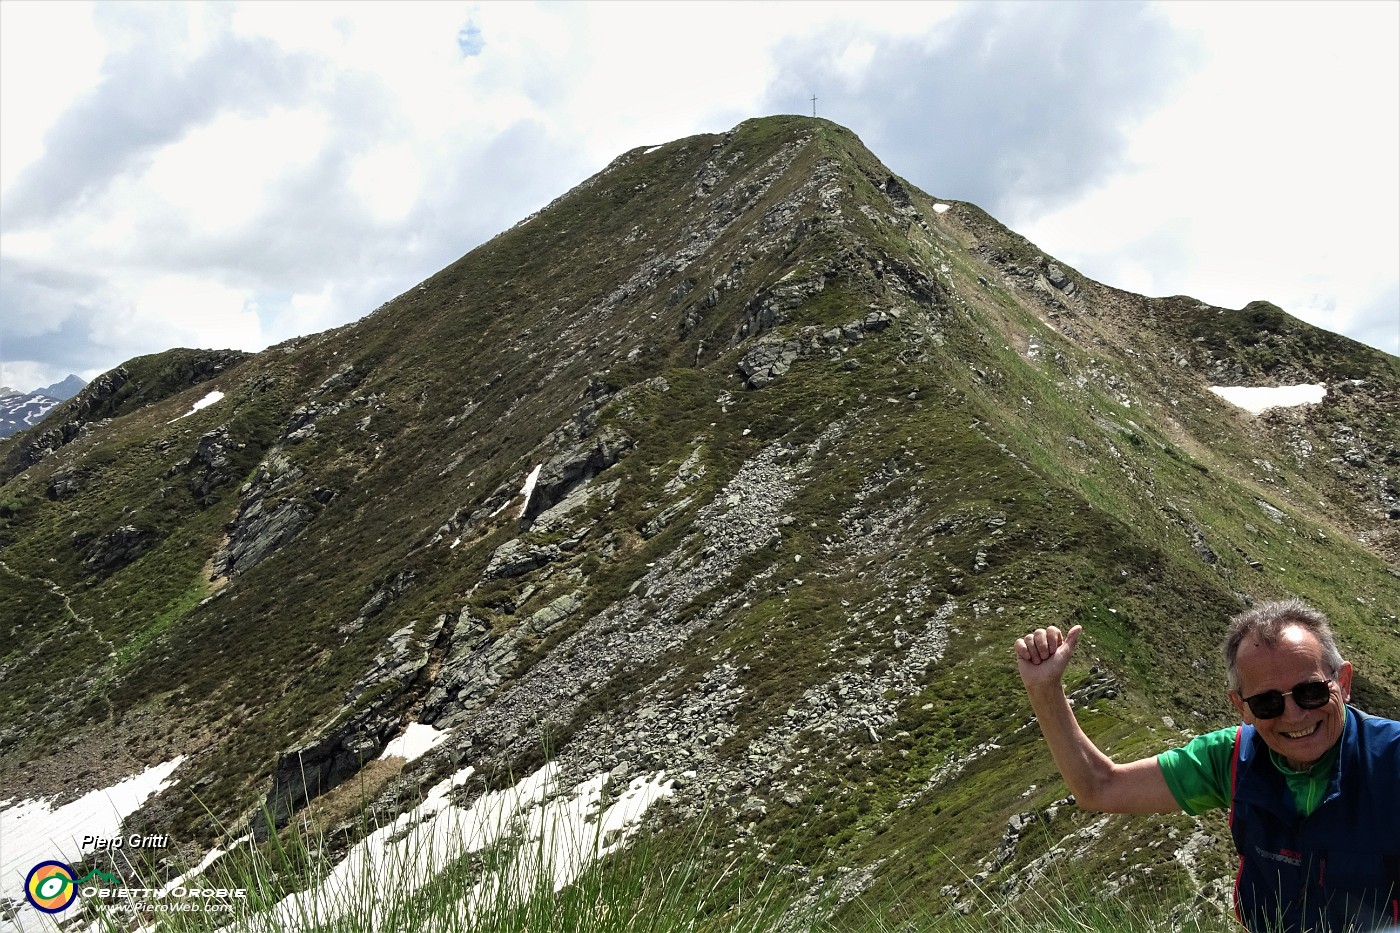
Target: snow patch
33 831
205 402
529 489
941 208
1257 399
417 740
554 834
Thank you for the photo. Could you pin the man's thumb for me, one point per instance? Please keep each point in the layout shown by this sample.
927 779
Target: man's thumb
1072 638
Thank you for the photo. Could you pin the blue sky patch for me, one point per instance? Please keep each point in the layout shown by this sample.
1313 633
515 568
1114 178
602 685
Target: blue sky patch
469 40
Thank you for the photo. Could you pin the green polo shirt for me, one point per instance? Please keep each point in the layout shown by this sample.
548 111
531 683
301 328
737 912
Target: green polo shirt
1198 773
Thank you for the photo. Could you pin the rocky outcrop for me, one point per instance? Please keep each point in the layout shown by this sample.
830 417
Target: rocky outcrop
770 359
482 658
345 378
266 520
373 714
518 557
590 455
745 516
68 481
259 531
108 553
770 308
384 595
404 656
210 467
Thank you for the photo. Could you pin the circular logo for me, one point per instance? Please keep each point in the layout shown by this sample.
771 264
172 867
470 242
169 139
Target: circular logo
50 887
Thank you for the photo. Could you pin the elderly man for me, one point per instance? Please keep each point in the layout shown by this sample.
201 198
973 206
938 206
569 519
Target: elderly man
1312 785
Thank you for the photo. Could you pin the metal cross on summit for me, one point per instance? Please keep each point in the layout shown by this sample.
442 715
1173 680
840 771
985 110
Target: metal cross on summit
814 105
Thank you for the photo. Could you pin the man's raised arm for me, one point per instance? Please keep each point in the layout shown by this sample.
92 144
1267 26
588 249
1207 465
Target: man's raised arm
1095 780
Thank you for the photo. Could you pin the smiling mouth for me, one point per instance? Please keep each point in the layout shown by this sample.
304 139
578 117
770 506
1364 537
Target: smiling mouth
1303 734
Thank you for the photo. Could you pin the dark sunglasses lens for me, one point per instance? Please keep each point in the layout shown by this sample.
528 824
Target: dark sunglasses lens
1266 705
1313 695
1269 705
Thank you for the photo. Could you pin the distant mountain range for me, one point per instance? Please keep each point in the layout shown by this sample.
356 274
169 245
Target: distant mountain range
22 410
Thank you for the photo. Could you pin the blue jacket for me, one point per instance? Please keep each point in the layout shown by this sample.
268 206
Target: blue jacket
1337 870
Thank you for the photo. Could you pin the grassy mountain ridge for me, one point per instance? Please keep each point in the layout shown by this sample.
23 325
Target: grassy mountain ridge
815 447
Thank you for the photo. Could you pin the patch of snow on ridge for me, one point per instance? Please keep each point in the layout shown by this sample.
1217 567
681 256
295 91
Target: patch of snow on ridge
35 832
205 402
416 742
554 834
529 489
940 208
1257 399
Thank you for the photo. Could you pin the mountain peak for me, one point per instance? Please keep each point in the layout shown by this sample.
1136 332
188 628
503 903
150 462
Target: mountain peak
65 389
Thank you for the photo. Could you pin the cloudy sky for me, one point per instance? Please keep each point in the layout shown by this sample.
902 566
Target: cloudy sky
235 174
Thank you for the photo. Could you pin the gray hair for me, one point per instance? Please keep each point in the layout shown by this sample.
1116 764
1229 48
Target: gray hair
1266 623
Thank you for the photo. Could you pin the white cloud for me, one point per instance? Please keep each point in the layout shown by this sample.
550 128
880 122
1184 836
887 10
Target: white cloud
217 176
50 53
283 316
180 311
27 375
1273 175
389 180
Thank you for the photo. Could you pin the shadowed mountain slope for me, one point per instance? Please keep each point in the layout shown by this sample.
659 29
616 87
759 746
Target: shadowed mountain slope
805 450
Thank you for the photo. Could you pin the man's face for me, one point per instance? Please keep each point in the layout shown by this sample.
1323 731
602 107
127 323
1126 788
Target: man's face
1301 736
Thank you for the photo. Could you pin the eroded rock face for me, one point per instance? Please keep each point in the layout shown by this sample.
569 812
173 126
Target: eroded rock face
568 469
259 531
770 359
265 520
68 482
114 550
210 467
745 516
373 714
280 501
771 307
518 557
482 659
767 362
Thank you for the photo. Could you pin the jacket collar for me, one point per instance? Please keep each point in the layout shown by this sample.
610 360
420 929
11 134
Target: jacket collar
1266 785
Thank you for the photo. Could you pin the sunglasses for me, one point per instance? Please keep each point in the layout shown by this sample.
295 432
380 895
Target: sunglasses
1310 695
